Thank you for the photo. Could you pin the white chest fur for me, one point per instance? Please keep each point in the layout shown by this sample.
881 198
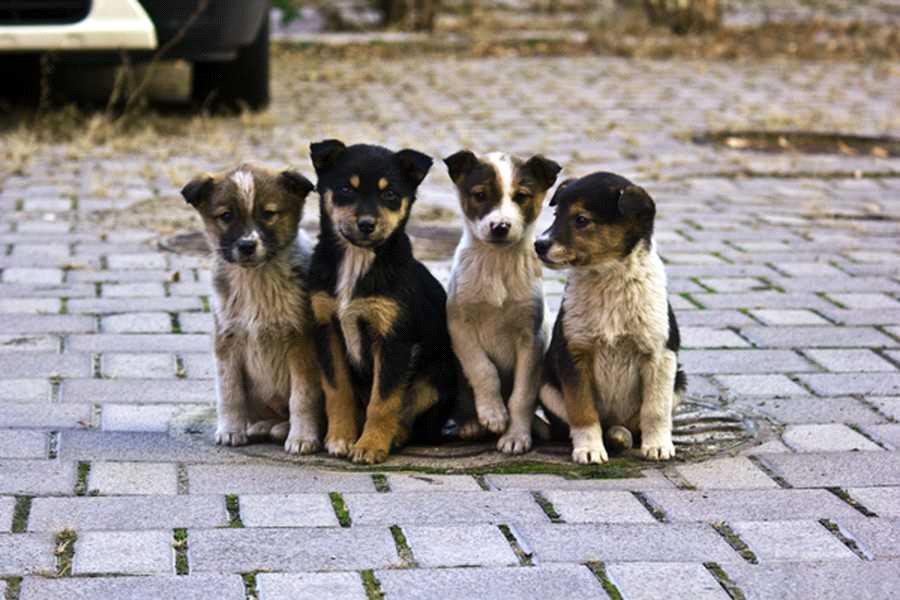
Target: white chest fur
354 266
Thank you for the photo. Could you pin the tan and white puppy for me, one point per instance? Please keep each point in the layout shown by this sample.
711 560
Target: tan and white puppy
613 357
495 303
267 382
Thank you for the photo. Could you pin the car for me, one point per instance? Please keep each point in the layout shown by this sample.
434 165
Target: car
227 41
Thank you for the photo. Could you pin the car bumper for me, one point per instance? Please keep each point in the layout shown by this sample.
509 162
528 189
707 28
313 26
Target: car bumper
110 25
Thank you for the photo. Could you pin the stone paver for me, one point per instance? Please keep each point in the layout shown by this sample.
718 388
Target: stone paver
884 501
310 586
830 437
459 546
775 541
748 505
126 513
268 479
598 507
306 549
127 478
138 366
651 480
287 510
36 477
26 554
124 552
440 508
877 538
565 582
830 469
649 581
725 473
804 581
22 444
195 587
811 410
7 507
428 483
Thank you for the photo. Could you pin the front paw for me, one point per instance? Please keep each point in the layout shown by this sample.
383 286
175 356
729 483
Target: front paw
231 435
494 417
471 430
662 450
298 444
338 446
364 452
590 454
514 442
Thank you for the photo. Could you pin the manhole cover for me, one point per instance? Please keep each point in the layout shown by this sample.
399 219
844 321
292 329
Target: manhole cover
804 142
701 431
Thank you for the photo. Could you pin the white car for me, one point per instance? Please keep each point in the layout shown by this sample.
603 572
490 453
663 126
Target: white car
228 42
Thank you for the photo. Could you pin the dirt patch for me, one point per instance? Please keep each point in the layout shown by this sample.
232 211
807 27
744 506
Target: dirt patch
803 142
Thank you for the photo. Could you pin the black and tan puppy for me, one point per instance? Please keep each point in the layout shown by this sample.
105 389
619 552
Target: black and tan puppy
267 380
381 318
613 356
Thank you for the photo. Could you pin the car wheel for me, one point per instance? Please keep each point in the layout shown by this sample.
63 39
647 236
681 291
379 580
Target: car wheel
239 83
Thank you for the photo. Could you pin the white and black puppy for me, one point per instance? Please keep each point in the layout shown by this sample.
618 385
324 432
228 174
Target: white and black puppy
613 357
495 304
267 382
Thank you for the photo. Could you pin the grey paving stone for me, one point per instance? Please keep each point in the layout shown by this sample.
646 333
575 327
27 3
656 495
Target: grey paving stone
143 261
760 385
800 410
92 445
287 510
650 581
868 384
109 306
877 538
560 582
443 508
734 284
598 507
847 469
199 366
883 501
7 508
763 300
196 322
850 361
40 364
26 554
194 587
111 342
880 316
830 437
817 337
708 337
864 301
32 276
142 417
626 542
713 318
749 505
131 478
272 479
652 480
887 434
305 549
769 447
36 477
432 483
144 391
121 275
32 324
310 586
775 541
37 306
789 317
126 513
28 343
805 580
65 290
42 414
816 268
24 390
132 290
459 546
23 444
888 406
138 365
744 361
124 552
725 473
137 322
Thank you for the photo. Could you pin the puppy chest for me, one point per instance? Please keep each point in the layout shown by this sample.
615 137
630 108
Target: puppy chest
617 380
266 367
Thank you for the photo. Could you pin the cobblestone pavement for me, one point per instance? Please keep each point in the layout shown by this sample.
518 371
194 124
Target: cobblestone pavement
785 283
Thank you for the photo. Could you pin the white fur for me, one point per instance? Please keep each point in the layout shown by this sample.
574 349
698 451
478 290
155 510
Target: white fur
354 266
246 186
507 211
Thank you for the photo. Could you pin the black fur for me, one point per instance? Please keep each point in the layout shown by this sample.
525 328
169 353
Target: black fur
419 342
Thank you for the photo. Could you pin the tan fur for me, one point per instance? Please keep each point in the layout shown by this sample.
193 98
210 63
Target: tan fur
383 422
324 307
340 404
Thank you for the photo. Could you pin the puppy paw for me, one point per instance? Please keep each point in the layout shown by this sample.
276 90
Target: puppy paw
280 432
514 442
494 418
231 438
471 430
338 446
296 444
658 451
587 455
363 453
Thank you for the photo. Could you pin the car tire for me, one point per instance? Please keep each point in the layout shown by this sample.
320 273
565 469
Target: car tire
236 84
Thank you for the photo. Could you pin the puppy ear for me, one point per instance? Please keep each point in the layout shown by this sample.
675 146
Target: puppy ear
295 183
198 190
555 199
543 169
325 153
635 201
414 164
459 164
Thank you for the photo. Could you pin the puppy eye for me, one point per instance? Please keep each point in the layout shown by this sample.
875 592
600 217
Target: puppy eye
346 190
521 197
581 221
479 196
226 217
389 195
268 215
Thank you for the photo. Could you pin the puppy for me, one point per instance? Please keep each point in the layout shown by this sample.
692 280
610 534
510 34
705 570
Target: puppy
613 356
495 305
267 375
380 315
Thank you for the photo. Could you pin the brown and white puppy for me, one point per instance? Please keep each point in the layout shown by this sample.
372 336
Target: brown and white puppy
267 380
495 304
613 357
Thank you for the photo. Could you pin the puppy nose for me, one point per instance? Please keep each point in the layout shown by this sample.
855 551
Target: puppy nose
500 230
246 247
542 246
366 225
